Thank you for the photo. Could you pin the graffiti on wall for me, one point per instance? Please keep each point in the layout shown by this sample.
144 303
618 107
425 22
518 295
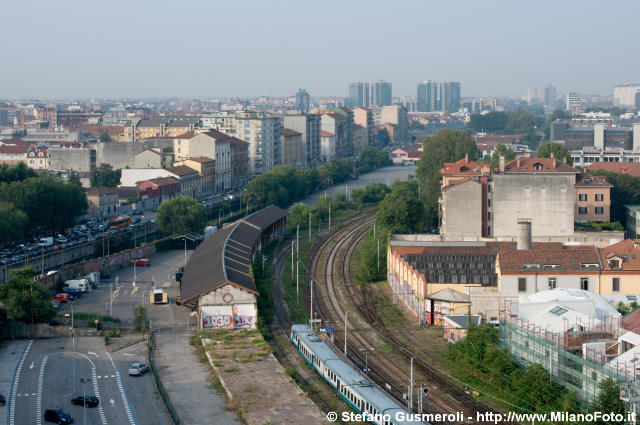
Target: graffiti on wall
240 316
216 321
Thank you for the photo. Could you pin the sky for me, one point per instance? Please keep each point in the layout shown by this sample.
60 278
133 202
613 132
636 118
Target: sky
214 49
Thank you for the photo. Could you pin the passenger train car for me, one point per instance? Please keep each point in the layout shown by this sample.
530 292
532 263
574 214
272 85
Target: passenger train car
352 387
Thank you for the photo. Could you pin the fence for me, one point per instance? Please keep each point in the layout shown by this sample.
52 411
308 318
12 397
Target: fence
156 378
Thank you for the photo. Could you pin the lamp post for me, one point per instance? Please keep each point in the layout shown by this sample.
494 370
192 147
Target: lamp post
84 401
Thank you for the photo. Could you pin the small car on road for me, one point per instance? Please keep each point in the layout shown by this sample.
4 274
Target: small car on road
137 369
58 416
143 262
85 400
61 297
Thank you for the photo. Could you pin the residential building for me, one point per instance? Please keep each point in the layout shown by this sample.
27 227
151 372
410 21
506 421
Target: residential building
364 117
38 159
102 201
630 168
239 164
359 138
625 95
408 155
155 191
153 158
291 147
444 96
359 95
303 101
189 180
164 127
633 221
549 96
12 154
380 93
450 96
592 198
348 115
336 125
129 176
328 146
206 168
262 132
574 103
146 128
620 268
310 126
397 117
427 96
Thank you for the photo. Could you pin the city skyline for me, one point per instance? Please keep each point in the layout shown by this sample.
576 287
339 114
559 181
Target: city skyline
171 51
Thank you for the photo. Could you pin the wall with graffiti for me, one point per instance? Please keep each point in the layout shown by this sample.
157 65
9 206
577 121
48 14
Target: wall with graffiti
232 316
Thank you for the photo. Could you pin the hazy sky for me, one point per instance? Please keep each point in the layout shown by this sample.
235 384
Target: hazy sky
212 48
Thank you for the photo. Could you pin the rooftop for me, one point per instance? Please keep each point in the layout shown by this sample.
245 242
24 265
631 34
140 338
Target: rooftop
289 132
538 165
588 180
464 166
631 168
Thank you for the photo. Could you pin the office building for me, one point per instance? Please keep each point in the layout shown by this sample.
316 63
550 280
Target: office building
444 96
303 101
549 95
625 95
426 96
381 93
359 94
449 96
574 103
637 100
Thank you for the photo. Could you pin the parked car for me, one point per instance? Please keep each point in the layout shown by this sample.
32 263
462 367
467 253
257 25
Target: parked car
85 400
62 297
58 416
3 400
137 369
142 262
73 292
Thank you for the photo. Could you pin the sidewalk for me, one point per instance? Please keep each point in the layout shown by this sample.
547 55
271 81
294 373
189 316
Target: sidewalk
10 352
185 379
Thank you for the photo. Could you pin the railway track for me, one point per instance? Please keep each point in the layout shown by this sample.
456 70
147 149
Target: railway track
337 293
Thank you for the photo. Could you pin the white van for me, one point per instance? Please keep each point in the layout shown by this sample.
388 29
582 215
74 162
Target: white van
81 284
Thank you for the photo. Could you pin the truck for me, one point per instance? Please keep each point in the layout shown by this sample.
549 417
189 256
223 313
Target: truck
81 284
158 296
48 241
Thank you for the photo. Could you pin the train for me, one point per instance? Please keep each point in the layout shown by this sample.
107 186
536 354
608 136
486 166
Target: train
356 390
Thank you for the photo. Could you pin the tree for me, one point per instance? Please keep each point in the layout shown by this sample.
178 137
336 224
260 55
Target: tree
401 212
26 300
181 215
104 137
489 123
372 158
140 317
12 223
560 152
105 175
18 172
74 178
502 150
298 215
608 400
372 193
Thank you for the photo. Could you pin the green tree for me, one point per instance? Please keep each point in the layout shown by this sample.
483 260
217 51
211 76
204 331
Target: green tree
401 212
372 193
105 175
489 123
502 150
560 152
299 215
140 317
181 215
26 300
18 172
608 400
74 178
372 158
13 222
104 137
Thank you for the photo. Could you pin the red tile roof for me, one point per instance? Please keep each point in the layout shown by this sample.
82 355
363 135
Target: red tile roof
549 258
14 148
289 132
326 134
182 170
497 139
537 165
187 135
587 180
101 191
628 250
465 166
631 168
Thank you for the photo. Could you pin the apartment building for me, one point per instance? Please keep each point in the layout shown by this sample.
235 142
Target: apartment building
291 147
206 168
336 125
262 132
310 126
592 198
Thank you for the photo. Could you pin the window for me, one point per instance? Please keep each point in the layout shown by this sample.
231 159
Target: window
582 197
522 284
599 210
489 188
599 197
489 216
582 210
552 283
615 284
558 311
584 283
489 230
488 202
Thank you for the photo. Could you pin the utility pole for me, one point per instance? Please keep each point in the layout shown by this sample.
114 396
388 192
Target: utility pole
297 281
309 226
185 250
311 304
219 210
42 262
345 334
378 241
410 401
298 240
291 259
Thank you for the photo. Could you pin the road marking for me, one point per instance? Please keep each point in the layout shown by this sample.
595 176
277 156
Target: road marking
113 376
32 365
99 376
112 364
125 401
40 383
113 403
97 392
33 394
91 353
15 382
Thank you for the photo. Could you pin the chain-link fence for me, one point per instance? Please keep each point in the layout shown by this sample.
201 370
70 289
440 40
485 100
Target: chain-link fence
156 378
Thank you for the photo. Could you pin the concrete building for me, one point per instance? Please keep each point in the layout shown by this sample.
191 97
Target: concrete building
206 168
310 126
291 147
38 158
348 115
625 95
380 93
633 221
78 159
592 199
427 96
164 127
130 176
574 103
444 96
450 96
240 174
262 132
328 146
303 101
102 201
364 117
118 155
189 180
336 125
12 154
153 158
359 95
359 138
397 117
549 96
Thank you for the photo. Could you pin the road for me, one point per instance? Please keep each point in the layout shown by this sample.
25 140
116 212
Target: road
385 175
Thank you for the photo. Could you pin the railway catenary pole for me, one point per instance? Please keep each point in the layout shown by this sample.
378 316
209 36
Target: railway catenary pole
345 335
298 240
309 226
291 259
329 216
311 304
378 263
297 282
410 398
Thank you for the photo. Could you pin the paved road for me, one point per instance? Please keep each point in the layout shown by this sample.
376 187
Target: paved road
385 175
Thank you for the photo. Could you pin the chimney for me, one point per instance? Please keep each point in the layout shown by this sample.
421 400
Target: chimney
518 162
466 158
524 234
552 155
502 163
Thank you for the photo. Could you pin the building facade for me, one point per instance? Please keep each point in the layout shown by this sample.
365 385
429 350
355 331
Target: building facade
291 147
262 132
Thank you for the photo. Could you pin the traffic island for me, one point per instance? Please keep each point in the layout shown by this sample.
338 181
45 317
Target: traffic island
257 386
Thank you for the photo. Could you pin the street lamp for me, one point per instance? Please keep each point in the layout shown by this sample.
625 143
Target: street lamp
84 383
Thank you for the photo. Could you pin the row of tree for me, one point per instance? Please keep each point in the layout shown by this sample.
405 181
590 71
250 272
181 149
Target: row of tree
284 184
481 360
29 204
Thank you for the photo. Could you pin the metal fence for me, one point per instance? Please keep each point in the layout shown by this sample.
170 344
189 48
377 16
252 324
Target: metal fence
156 378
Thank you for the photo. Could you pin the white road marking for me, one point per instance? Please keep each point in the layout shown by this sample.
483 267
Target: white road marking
112 364
91 353
127 408
39 399
113 376
16 380
32 365
113 403
97 392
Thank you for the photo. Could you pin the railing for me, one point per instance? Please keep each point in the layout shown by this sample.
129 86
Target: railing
156 379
